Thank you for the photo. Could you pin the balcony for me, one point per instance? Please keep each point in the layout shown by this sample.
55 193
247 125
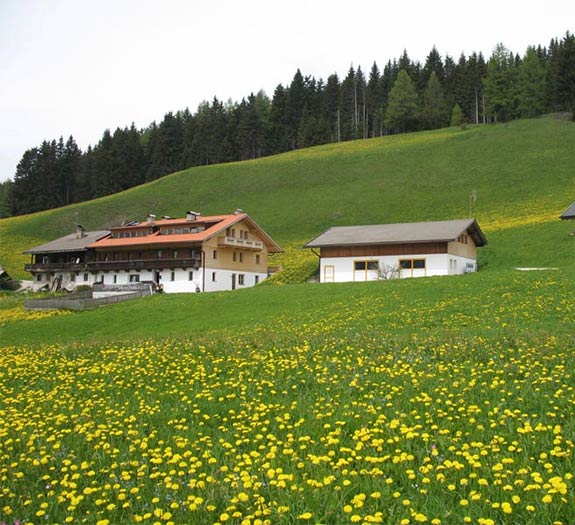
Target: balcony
145 264
56 267
98 266
240 243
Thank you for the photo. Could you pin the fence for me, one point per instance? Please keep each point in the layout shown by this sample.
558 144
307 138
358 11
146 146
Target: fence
81 301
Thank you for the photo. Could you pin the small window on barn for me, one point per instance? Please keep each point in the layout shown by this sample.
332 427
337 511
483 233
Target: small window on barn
172 276
115 279
85 277
405 264
257 259
213 277
241 279
134 278
214 254
241 257
257 279
372 265
39 277
190 276
359 265
234 256
418 263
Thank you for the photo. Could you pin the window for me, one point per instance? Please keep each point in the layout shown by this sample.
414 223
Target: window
257 259
408 265
134 278
39 277
213 277
45 259
366 265
365 270
175 254
241 279
214 254
172 276
191 276
115 278
234 256
257 279
241 257
73 277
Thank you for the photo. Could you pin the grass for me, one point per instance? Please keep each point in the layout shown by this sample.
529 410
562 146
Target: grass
400 306
444 400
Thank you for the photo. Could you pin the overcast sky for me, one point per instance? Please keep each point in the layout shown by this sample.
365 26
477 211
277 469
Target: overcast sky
73 67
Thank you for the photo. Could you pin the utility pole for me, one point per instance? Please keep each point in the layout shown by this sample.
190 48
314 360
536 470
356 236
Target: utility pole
472 199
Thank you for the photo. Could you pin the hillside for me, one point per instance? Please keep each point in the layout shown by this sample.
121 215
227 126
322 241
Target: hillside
522 172
441 400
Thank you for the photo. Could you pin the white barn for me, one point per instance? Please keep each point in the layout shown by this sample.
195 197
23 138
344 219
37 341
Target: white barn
418 249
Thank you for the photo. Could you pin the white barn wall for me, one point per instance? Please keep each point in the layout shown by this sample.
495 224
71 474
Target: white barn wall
436 264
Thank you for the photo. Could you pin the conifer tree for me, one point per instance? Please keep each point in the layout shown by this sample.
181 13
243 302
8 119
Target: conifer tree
6 198
279 137
434 106
565 74
531 88
402 110
500 94
457 117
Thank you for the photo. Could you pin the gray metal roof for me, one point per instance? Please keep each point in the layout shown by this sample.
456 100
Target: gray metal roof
69 243
569 213
409 232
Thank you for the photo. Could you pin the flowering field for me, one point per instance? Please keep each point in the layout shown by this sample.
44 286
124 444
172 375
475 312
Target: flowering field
352 413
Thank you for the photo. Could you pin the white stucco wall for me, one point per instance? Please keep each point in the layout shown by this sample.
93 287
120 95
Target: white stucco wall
435 264
224 279
181 282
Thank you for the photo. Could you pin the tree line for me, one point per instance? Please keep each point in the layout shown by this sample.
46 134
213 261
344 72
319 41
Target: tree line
404 96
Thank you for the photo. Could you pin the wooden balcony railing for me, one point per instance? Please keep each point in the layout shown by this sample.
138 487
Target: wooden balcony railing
240 243
140 264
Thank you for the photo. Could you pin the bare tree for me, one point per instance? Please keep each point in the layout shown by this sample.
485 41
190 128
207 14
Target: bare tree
386 272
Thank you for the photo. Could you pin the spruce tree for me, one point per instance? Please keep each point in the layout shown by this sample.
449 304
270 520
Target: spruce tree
402 110
531 88
500 94
434 106
565 74
457 117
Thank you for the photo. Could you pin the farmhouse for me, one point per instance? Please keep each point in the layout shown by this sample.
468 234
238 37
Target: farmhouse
418 249
195 253
569 213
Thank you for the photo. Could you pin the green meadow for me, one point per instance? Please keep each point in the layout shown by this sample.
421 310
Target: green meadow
522 173
442 400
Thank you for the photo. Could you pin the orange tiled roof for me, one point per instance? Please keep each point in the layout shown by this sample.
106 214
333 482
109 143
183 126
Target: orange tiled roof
222 223
177 222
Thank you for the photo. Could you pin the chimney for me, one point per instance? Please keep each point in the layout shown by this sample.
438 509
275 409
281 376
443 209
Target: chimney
192 215
80 231
151 218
